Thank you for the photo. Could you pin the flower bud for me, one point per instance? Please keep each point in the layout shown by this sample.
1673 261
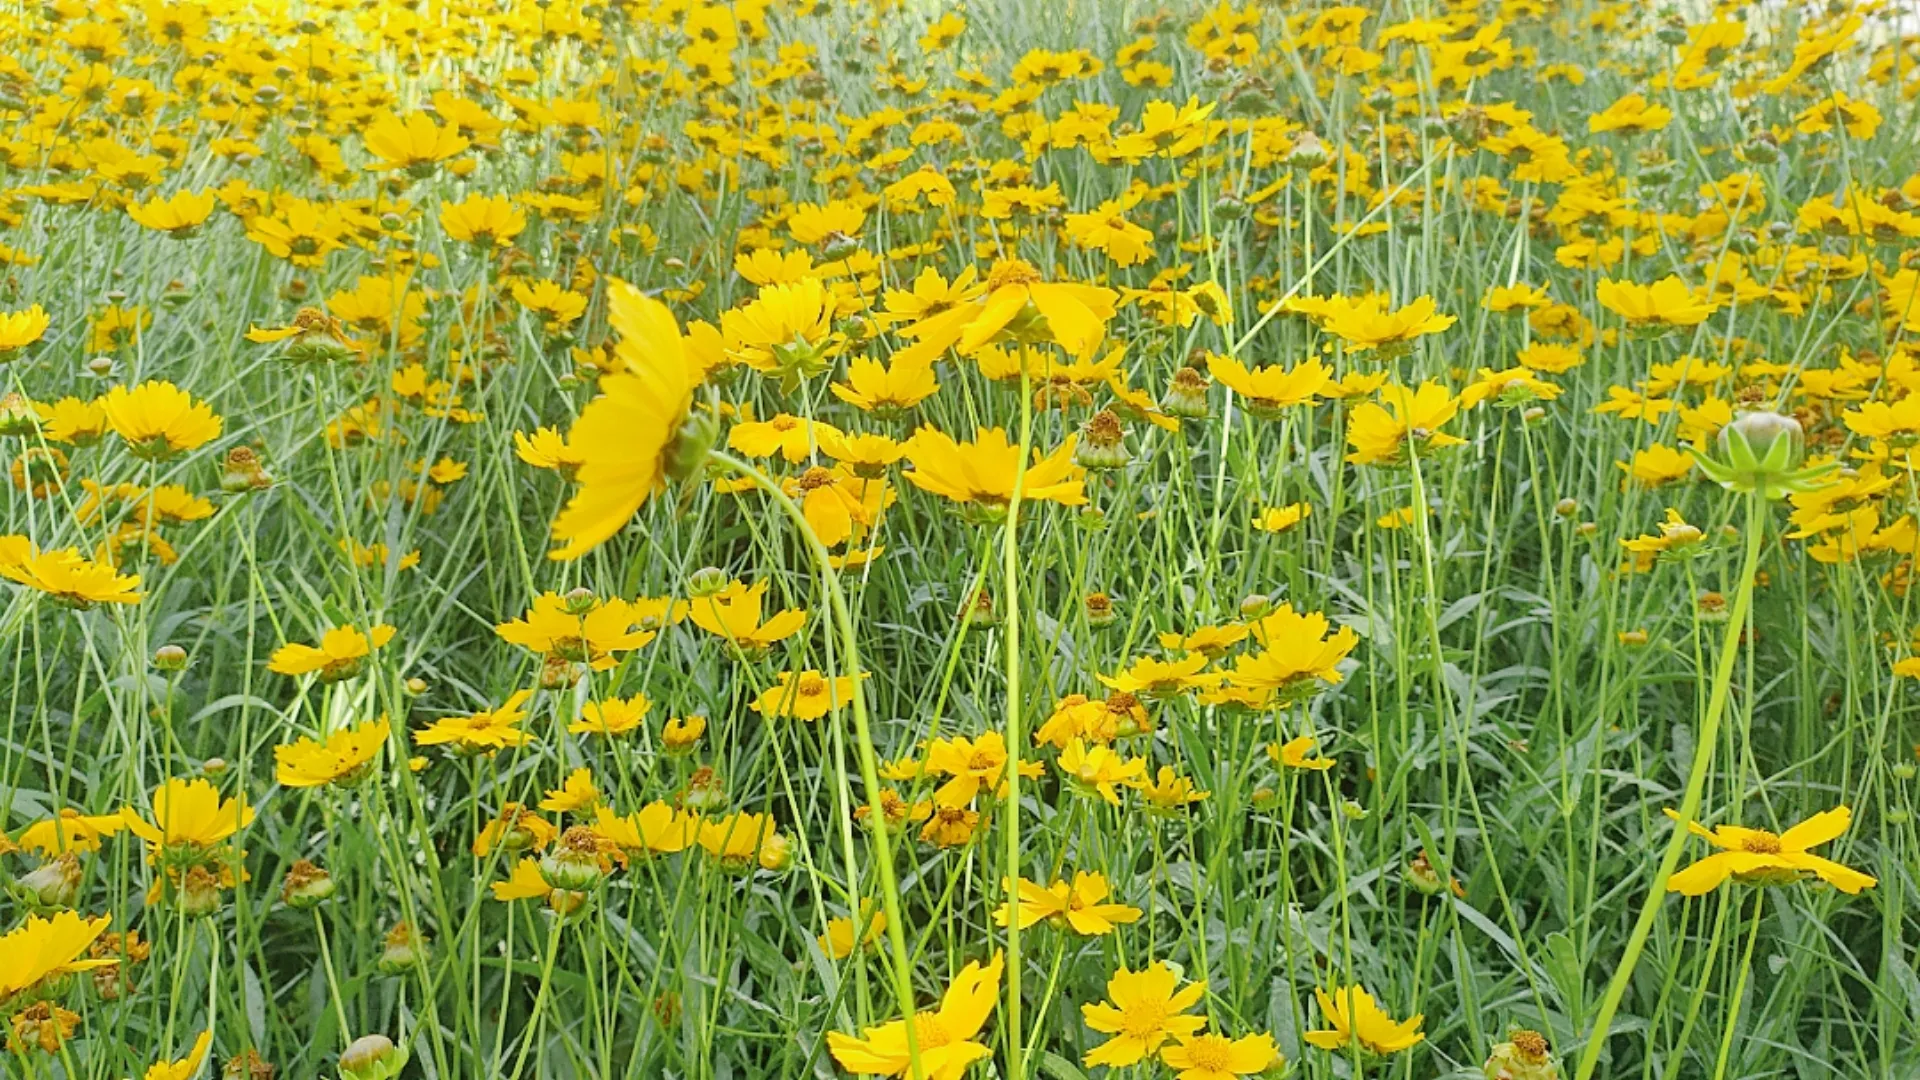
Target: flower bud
402 949
580 601
681 734
55 884
1524 1056
1100 610
170 658
574 863
306 886
706 582
1566 508
372 1057
1307 152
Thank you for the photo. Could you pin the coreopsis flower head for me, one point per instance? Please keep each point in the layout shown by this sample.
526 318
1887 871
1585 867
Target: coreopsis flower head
485 221
314 337
840 939
738 841
866 455
1165 678
1758 857
1269 391
1297 652
1515 387
971 764
886 390
158 419
69 830
1169 791
1017 305
481 732
981 475
1760 452
1367 324
787 331
39 951
341 654
65 575
19 329
546 448
1380 432
514 828
416 144
1631 114
637 432
1297 753
1657 465
1143 1010
345 756
1210 1056
612 716
594 632
1101 769
186 1067
655 829
1519 296
179 215
805 695
1278 519
1080 906
1658 307
733 613
524 882
555 305
944 1036
189 814
1354 1017
1106 229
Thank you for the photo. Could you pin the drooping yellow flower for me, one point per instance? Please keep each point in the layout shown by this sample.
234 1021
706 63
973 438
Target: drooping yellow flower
1632 114
341 654
1081 905
1355 1017
191 814
1667 302
838 941
42 949
66 576
1366 323
626 436
656 829
739 840
1018 305
1269 391
1143 1009
787 330
1758 857
590 630
345 756
19 329
69 830
982 474
1297 753
178 215
525 882
480 732
485 221
575 794
804 695
1380 433
612 716
1165 678
186 1067
944 1036
415 144
158 419
734 614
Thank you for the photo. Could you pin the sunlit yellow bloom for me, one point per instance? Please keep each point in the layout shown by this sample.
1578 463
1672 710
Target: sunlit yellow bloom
40 950
804 695
70 830
1271 390
416 143
186 1067
1355 1017
657 829
1101 769
1143 1009
734 613
344 756
65 575
983 472
1298 754
1278 519
19 329
1367 324
483 731
1081 906
177 216
342 653
1380 433
1758 857
594 632
838 941
485 221
944 1036
576 794
1018 305
189 813
1667 302
158 419
1208 1056
612 716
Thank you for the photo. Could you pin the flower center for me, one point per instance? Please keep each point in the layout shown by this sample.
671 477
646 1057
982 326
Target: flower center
1144 1019
1761 843
1209 1052
932 1033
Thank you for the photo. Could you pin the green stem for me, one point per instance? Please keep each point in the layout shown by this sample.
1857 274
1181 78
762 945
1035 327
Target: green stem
1739 987
1690 803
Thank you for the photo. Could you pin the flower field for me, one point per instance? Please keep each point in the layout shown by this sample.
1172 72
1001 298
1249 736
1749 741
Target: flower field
676 539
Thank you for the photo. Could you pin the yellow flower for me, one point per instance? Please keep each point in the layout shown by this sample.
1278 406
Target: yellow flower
1758 857
524 883
1016 304
342 653
1107 229
1380 434
1297 649
189 813
838 941
416 144
19 329
485 221
1271 390
1667 302
734 614
887 389
1216 1057
804 695
614 716
43 949
1632 113
593 636
944 1036
740 839
547 449
65 575
186 1067
1170 791
575 794
1080 905
971 764
344 757
1278 519
982 473
1100 768
1296 754
158 419
786 330
177 216
70 830
1163 677
483 731
70 420
626 436
1367 324
1356 1018
1657 465
657 829
1143 1010
555 305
